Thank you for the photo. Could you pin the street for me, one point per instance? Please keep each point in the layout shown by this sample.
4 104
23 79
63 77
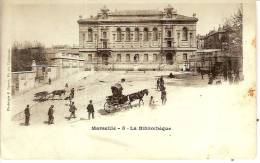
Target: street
194 110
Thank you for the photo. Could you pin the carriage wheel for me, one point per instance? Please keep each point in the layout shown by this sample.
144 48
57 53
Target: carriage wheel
108 108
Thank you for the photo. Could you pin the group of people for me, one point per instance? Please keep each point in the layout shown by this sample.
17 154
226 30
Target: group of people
72 110
159 86
232 76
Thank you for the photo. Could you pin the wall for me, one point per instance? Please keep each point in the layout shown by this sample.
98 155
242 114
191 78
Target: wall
22 81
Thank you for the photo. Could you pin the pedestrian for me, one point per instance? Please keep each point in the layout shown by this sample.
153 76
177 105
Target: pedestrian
72 91
163 96
50 115
158 84
72 111
161 83
225 74
66 85
230 77
236 79
27 115
201 73
152 103
90 109
70 98
49 81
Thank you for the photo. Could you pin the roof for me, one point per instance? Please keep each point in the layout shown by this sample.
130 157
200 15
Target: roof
136 12
137 15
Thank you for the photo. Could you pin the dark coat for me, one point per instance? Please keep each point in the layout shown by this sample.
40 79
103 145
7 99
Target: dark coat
50 112
27 112
72 108
90 108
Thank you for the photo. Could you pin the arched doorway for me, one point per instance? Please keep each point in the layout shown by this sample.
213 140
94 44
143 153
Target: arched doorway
169 58
105 58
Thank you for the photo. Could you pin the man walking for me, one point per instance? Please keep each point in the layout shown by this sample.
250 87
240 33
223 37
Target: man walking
27 115
72 110
91 110
50 114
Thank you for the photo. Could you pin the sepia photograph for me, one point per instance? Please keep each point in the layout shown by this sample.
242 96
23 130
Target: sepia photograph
128 80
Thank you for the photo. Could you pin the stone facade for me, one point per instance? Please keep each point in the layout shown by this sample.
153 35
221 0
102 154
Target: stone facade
137 39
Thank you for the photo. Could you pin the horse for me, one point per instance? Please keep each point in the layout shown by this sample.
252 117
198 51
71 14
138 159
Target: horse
58 92
42 96
137 96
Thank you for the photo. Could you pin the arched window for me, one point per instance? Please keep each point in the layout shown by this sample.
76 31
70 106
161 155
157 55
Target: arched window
184 33
155 34
136 34
119 34
127 34
90 34
145 34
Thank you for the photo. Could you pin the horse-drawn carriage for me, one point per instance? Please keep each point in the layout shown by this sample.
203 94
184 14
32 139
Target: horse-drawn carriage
117 100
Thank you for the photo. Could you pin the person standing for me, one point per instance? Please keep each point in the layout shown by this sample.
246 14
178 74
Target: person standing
90 109
49 81
230 77
27 115
72 91
72 111
161 83
158 84
152 103
163 96
50 115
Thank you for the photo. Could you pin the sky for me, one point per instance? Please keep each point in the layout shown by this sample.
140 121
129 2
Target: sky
53 24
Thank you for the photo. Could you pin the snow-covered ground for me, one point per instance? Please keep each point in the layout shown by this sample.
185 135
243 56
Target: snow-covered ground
207 122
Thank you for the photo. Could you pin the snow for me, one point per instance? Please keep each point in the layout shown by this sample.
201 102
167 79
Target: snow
207 122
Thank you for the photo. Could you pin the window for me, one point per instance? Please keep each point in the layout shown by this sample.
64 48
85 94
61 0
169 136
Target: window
145 34
185 57
104 34
169 44
191 35
145 57
136 34
169 34
49 69
185 34
154 57
127 33
127 57
83 37
155 34
136 58
90 35
118 58
114 37
104 44
90 57
119 34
